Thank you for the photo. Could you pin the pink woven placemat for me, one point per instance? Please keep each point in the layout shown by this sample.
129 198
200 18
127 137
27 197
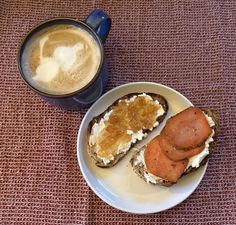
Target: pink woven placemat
187 45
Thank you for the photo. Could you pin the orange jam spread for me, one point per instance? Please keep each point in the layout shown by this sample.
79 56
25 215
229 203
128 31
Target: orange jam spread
136 115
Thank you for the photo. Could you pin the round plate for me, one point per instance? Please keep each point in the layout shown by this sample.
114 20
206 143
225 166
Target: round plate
119 186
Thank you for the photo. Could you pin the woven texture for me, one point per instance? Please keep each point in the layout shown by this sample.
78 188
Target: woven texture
187 45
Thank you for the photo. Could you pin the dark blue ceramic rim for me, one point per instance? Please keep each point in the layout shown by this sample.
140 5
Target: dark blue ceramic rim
59 21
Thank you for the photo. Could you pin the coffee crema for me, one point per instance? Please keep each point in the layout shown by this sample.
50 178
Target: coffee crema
62 59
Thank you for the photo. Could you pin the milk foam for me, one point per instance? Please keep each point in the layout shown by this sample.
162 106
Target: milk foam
63 58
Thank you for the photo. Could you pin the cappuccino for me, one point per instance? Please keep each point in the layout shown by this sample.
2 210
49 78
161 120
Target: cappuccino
61 59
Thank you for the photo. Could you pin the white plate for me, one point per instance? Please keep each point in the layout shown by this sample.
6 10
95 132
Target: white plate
119 186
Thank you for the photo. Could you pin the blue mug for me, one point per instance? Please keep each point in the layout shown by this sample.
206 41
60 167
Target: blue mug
98 25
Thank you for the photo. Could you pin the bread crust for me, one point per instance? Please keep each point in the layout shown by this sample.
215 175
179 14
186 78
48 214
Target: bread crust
140 170
96 119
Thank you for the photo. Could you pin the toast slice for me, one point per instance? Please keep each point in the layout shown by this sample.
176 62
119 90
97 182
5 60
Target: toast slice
137 160
106 116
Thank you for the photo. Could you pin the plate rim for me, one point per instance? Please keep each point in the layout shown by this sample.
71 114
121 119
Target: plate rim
133 211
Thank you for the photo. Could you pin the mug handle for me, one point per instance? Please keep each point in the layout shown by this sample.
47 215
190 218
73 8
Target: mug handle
100 22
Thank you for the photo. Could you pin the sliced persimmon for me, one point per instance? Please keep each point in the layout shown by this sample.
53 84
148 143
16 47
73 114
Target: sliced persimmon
158 164
177 154
187 129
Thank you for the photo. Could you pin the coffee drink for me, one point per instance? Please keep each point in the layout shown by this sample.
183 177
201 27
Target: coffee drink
61 59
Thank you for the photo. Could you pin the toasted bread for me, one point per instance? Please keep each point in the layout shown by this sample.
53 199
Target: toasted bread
118 156
140 169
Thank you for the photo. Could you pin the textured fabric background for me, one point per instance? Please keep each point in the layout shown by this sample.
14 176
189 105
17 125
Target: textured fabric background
188 45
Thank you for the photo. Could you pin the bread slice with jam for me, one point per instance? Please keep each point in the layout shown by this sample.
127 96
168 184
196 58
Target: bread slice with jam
126 122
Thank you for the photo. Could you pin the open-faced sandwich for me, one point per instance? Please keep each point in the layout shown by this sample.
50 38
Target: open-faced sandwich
184 144
127 121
